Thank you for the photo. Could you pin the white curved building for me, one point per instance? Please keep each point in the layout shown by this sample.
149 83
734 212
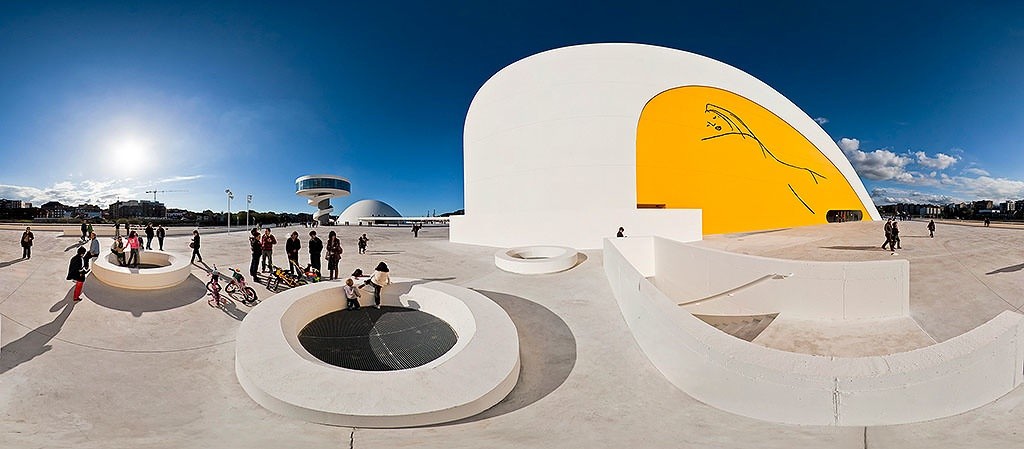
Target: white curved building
565 146
364 209
318 191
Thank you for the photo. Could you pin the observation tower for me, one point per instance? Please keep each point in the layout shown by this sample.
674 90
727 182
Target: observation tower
318 191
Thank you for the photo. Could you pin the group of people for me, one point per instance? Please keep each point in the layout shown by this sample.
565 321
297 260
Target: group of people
892 235
262 250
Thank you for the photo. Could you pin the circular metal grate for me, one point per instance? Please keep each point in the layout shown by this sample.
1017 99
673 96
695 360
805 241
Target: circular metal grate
368 339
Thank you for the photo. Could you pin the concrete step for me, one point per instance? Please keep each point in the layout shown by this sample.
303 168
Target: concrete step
746 327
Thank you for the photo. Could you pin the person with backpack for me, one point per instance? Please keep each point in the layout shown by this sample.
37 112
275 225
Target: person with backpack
194 244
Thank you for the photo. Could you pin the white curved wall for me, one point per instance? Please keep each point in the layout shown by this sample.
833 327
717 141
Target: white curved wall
279 374
550 145
173 270
731 374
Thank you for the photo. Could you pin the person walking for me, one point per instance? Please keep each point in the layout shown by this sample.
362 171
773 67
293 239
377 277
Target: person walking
292 247
194 244
987 222
888 234
85 230
316 247
118 249
26 243
378 280
416 230
268 241
134 243
362 244
77 272
149 236
256 246
160 234
333 254
931 228
621 232
895 237
351 294
117 229
94 249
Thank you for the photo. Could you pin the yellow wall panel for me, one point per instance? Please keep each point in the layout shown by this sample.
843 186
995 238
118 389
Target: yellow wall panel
707 148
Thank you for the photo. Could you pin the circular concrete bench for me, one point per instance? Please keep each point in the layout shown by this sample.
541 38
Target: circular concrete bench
172 271
279 374
536 259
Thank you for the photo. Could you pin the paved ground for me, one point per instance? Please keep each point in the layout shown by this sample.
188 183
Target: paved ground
157 370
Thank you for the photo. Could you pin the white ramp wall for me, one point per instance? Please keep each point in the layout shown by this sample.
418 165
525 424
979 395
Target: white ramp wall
728 373
816 290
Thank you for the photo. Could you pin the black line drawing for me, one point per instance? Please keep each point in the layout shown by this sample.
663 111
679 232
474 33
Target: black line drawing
738 128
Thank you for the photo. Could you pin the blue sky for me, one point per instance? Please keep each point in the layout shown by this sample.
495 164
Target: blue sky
104 100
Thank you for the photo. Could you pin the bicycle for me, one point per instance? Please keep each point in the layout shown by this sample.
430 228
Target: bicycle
213 286
236 285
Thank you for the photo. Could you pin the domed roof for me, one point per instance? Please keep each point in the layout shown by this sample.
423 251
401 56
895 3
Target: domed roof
366 208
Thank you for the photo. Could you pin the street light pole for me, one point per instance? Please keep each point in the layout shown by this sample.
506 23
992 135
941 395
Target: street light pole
230 196
248 205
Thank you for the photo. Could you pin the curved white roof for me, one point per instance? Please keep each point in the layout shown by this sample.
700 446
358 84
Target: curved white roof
367 208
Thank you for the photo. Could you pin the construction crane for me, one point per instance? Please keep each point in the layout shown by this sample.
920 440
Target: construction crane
154 192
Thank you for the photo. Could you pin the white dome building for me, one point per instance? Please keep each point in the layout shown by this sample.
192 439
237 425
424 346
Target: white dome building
363 209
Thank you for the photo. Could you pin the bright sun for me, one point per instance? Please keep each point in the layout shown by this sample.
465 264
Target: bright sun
131 155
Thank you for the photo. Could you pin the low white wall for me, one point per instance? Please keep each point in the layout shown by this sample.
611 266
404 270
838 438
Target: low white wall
573 228
817 290
536 259
279 374
173 271
747 379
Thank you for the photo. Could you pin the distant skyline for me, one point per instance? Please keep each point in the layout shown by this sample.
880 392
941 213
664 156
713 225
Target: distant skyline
102 101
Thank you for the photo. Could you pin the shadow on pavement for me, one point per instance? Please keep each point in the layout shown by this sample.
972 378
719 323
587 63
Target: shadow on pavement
10 262
141 301
1009 269
856 248
547 354
36 342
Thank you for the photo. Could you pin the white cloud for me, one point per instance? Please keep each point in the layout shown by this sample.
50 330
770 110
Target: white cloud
939 162
987 187
74 193
878 165
976 171
821 120
884 195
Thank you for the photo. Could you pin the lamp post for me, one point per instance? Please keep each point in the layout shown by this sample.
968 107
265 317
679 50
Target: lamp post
248 205
230 197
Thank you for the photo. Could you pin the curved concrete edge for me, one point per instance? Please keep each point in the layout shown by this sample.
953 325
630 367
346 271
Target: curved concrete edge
536 259
474 375
743 284
176 271
941 380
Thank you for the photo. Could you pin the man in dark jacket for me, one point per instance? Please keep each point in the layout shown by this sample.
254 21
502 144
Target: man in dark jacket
257 250
77 272
292 247
195 247
149 236
160 234
316 246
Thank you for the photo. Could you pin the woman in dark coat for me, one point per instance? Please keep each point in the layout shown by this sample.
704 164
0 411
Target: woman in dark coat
333 254
76 272
26 243
195 247
316 246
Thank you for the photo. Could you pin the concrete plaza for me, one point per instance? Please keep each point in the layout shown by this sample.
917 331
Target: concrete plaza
156 369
